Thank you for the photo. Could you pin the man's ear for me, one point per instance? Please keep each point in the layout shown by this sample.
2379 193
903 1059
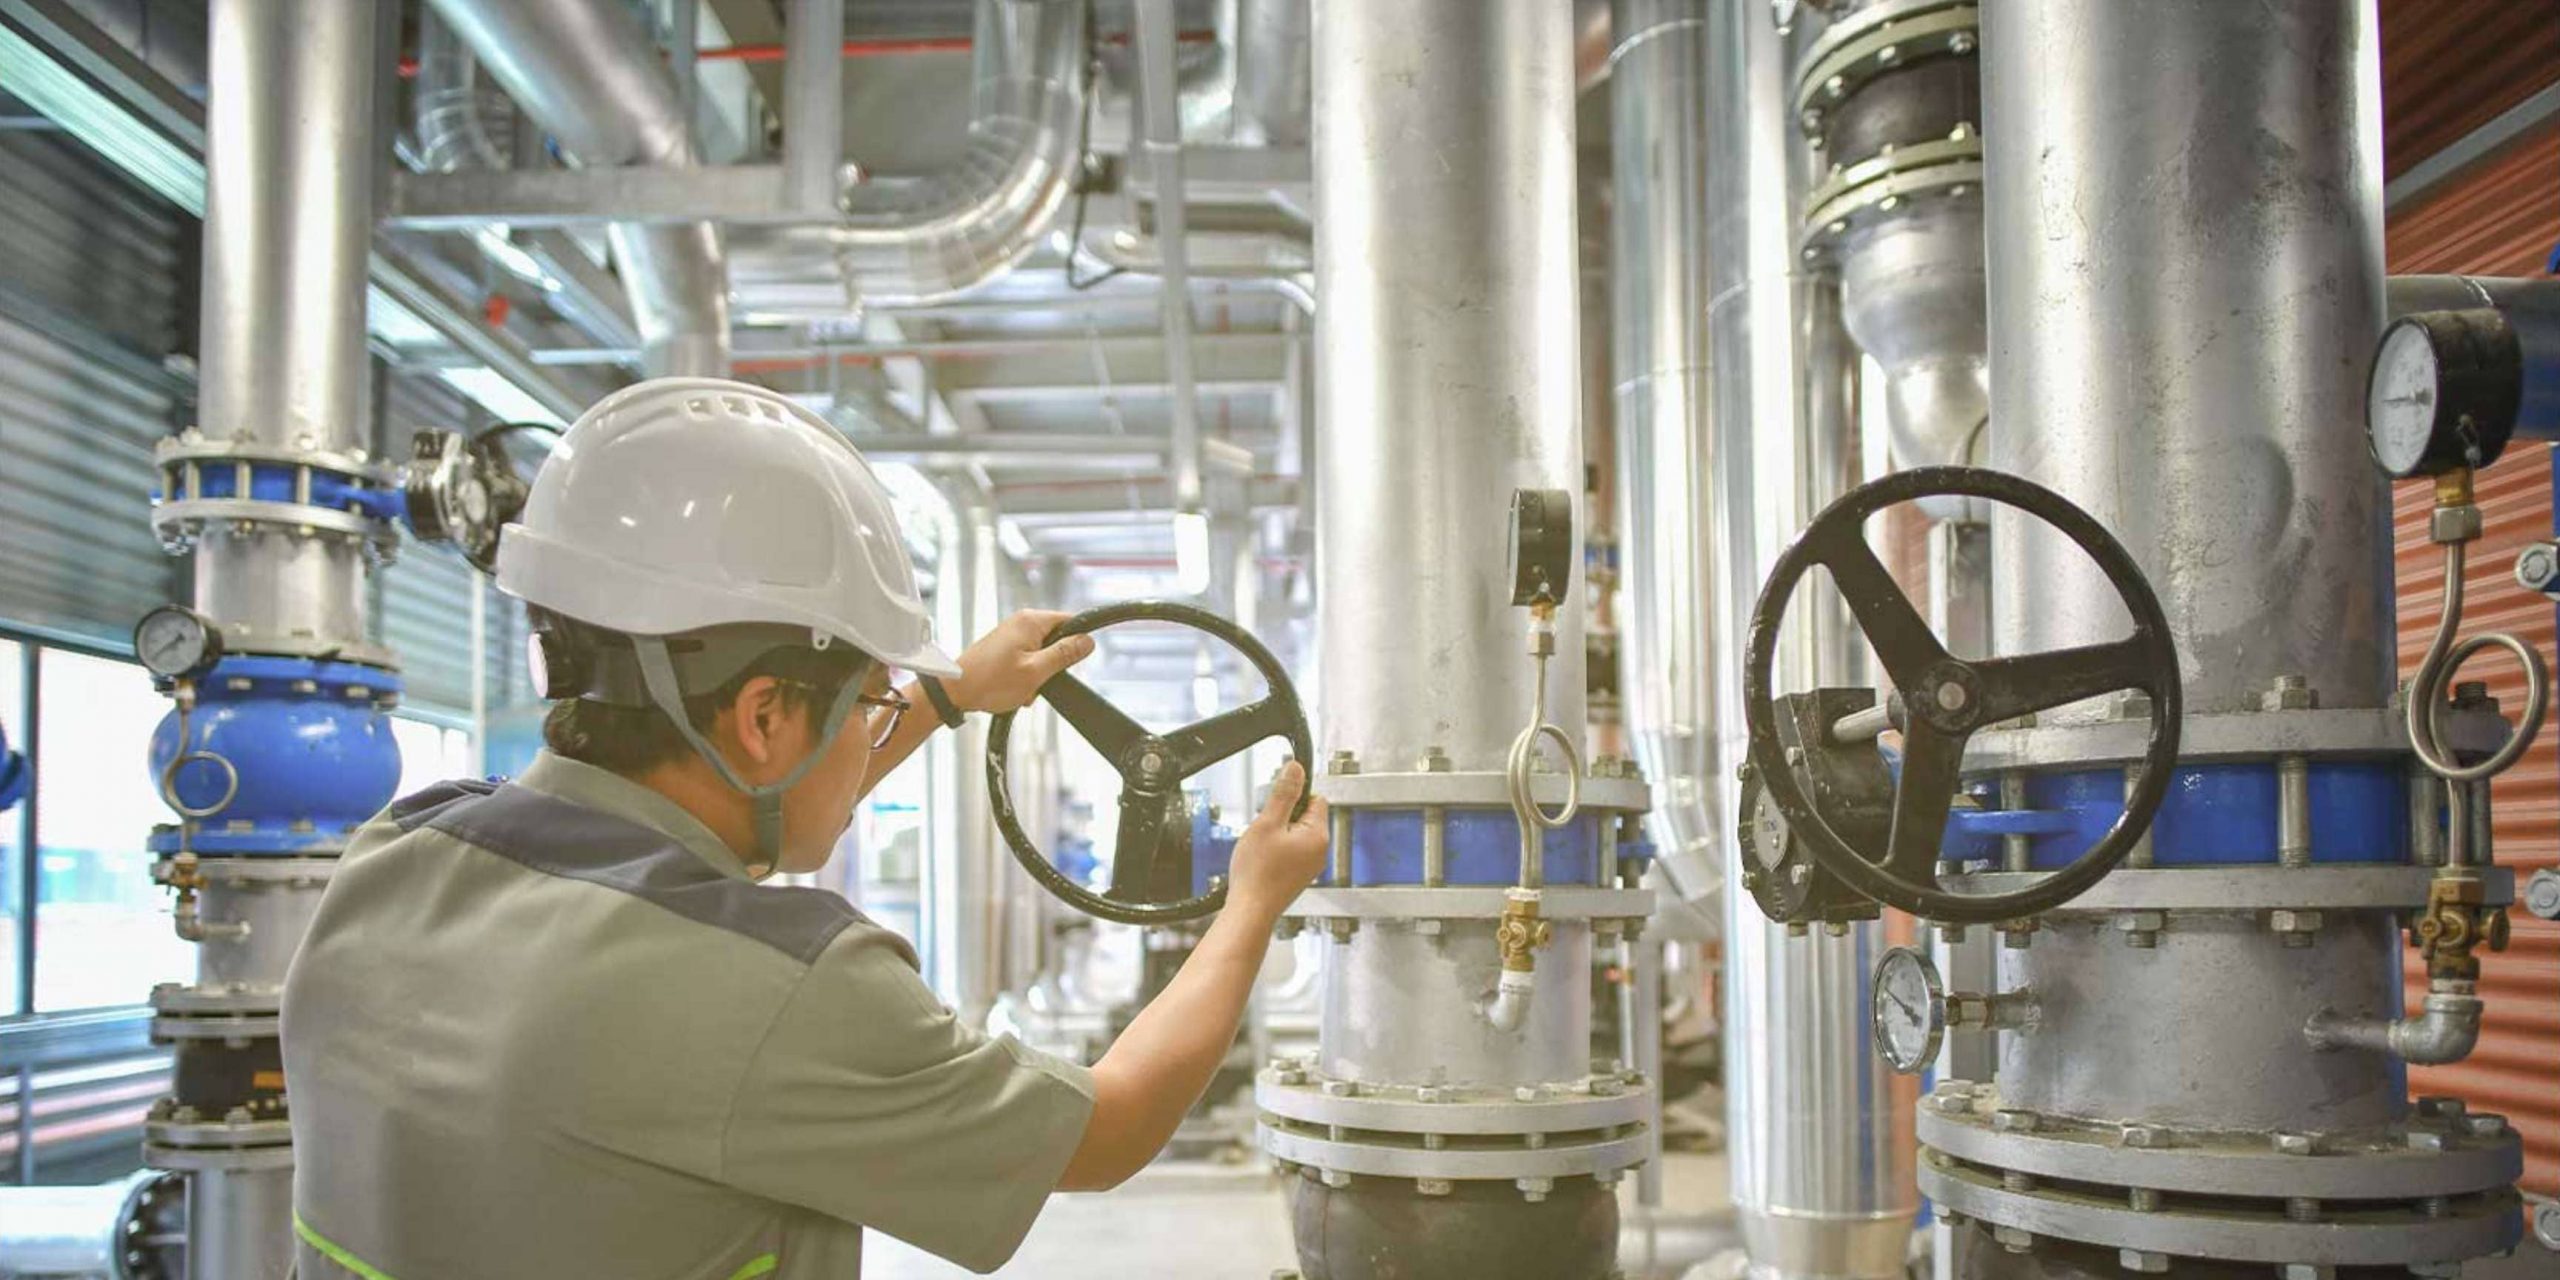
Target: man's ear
758 718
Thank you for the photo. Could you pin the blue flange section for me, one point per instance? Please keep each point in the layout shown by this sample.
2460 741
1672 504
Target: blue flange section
310 740
1481 846
2214 815
1213 849
274 482
13 776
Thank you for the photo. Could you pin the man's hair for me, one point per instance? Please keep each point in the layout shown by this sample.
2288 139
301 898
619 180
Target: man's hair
632 740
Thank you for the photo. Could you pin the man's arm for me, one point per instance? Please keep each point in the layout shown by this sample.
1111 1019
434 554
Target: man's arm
1003 671
1159 1067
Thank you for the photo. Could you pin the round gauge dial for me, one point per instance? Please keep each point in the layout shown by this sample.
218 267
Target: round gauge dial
2400 399
175 642
1909 1010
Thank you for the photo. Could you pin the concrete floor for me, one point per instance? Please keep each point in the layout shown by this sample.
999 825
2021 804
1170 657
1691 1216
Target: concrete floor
1198 1221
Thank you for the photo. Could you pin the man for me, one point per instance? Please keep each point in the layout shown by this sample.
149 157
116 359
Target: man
555 1028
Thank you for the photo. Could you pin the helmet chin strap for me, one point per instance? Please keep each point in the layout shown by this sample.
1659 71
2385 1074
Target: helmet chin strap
658 673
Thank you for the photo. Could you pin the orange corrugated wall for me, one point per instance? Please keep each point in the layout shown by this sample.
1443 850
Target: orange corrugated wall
2448 66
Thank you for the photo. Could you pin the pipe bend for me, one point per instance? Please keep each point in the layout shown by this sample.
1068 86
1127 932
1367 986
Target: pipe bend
2445 1031
1509 1008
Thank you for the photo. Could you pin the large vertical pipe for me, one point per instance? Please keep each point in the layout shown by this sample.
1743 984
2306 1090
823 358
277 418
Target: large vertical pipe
1445 256
1665 455
288 222
1806 1098
2187 200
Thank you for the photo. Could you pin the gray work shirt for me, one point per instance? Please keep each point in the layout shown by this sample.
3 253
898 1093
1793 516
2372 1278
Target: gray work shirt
552 1029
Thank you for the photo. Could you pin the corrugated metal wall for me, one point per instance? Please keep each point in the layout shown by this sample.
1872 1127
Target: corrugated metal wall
2449 66
90 307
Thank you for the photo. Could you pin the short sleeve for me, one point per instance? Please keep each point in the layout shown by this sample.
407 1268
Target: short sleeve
870 1103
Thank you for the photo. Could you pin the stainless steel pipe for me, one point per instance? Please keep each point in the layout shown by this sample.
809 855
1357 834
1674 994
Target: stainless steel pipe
2187 200
1448 366
1666 460
1807 1102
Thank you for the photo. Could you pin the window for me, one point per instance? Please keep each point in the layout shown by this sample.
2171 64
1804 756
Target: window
431 753
13 726
102 927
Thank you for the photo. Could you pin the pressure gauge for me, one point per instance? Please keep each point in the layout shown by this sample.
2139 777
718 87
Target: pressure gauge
1909 1010
175 642
1541 567
2443 392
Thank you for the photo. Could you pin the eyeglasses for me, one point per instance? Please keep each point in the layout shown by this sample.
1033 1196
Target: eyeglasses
893 702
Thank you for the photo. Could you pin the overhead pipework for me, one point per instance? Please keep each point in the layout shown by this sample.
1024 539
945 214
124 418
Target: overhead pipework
587 72
1442 1128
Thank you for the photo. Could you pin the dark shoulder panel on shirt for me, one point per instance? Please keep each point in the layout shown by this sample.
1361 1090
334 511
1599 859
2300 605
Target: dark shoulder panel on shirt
560 838
416 810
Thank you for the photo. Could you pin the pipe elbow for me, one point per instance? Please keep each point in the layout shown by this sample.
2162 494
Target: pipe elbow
1509 1008
2445 1031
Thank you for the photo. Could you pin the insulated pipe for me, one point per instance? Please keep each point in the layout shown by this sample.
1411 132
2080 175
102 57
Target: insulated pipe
1447 366
1160 108
289 148
588 73
1665 451
813 105
2192 381
903 242
1808 1103
1274 84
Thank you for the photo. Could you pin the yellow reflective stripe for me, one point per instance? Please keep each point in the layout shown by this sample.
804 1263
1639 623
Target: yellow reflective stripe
759 1266
329 1249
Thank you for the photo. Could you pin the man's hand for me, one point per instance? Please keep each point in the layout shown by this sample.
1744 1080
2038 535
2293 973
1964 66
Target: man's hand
1275 858
1004 670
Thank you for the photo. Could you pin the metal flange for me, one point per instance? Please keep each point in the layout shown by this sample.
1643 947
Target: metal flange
1470 902
1877 39
2437 1231
2433 1156
194 446
1597 1103
1886 183
256 871
2351 732
1486 789
180 521
1603 1153
2244 889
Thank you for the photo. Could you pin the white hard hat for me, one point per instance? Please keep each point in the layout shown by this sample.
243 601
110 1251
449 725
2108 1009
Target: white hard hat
681 503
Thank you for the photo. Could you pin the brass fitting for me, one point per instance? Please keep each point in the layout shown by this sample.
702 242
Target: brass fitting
2455 922
1522 932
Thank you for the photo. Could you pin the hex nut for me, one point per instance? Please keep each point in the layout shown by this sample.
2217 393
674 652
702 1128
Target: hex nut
1534 1190
2297 1144
2129 704
2291 693
1429 1093
1341 1089
1433 1186
2143 1137
2439 1107
2143 1200
2453 524
1335 1178
2546 1224
2486 1125
2014 1239
2143 1261
2538 566
1528 1093
2014 1121
2289 920
2423 1140
2306 1271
